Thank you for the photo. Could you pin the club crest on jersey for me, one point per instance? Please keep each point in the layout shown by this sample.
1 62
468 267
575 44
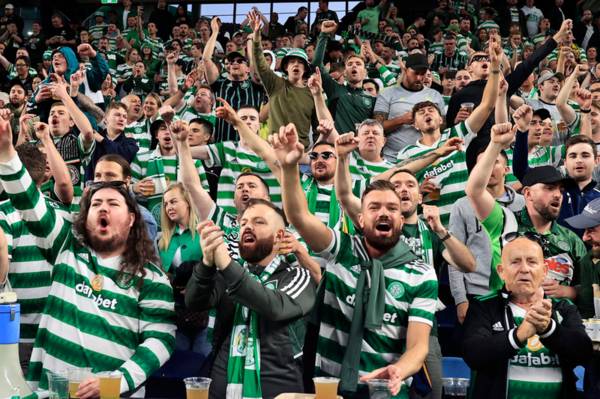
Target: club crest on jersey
396 289
534 344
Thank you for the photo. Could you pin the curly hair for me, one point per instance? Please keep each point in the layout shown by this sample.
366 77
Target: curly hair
139 249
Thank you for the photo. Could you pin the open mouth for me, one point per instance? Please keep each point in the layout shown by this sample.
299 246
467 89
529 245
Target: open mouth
103 223
245 197
405 197
383 226
248 238
428 119
555 204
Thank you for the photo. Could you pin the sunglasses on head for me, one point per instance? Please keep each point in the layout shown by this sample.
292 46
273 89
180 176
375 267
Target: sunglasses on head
480 58
530 235
97 185
313 155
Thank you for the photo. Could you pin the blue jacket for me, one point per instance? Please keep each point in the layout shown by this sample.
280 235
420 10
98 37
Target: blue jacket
574 200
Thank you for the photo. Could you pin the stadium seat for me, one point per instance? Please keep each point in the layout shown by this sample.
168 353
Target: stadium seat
579 371
455 367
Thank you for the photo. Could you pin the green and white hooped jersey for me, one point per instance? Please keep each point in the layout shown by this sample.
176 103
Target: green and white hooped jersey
546 155
361 169
29 272
188 113
411 296
449 173
163 170
140 132
534 372
235 160
94 316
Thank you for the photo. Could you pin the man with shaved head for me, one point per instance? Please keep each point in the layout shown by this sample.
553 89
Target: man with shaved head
520 343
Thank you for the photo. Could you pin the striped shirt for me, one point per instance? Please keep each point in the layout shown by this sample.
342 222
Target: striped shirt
546 155
140 132
156 45
235 160
96 32
534 372
113 325
162 170
448 173
361 169
411 296
188 113
458 60
236 94
29 272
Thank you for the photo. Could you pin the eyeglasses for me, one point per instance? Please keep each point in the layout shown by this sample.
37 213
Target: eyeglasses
480 58
313 155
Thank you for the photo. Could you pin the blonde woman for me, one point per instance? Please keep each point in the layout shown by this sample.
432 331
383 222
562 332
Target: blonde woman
179 248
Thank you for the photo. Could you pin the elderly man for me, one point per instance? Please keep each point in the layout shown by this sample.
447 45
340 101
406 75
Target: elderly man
520 343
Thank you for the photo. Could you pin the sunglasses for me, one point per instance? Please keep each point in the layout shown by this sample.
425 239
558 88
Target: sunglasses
530 235
480 58
97 185
313 155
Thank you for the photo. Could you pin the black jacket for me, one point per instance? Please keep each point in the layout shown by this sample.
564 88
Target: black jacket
490 341
281 322
473 92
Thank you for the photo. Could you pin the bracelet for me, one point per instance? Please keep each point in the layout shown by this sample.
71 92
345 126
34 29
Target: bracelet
585 111
446 237
496 71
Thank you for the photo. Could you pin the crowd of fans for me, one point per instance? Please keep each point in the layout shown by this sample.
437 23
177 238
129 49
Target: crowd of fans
290 200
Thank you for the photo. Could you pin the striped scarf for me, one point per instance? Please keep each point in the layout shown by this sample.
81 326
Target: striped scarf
243 366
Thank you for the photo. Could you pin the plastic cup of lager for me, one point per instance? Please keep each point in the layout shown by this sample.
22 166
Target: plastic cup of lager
197 387
378 389
76 376
467 106
58 385
110 384
326 387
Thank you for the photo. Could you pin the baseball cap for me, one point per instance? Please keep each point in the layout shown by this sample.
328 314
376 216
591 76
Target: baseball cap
417 61
546 174
235 54
544 76
589 217
543 113
98 14
10 6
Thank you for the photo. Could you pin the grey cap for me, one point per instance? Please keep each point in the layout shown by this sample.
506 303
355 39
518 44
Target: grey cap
544 76
589 217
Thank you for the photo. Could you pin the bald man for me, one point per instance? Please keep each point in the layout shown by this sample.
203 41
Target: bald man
520 343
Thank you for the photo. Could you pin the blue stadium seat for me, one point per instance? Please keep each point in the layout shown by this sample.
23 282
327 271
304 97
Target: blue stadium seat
579 371
455 367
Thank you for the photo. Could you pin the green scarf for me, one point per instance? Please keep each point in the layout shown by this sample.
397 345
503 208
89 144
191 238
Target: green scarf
243 366
154 202
337 219
372 316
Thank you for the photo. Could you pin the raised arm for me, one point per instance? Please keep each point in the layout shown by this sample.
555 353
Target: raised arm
315 84
171 77
86 131
253 140
175 99
420 162
212 72
289 150
63 185
501 108
567 113
40 219
522 117
481 113
481 199
344 145
203 203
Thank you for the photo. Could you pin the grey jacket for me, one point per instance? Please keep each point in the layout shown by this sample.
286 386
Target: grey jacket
466 228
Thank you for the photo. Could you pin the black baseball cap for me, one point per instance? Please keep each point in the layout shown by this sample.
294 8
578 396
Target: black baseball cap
417 61
235 54
543 113
546 174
